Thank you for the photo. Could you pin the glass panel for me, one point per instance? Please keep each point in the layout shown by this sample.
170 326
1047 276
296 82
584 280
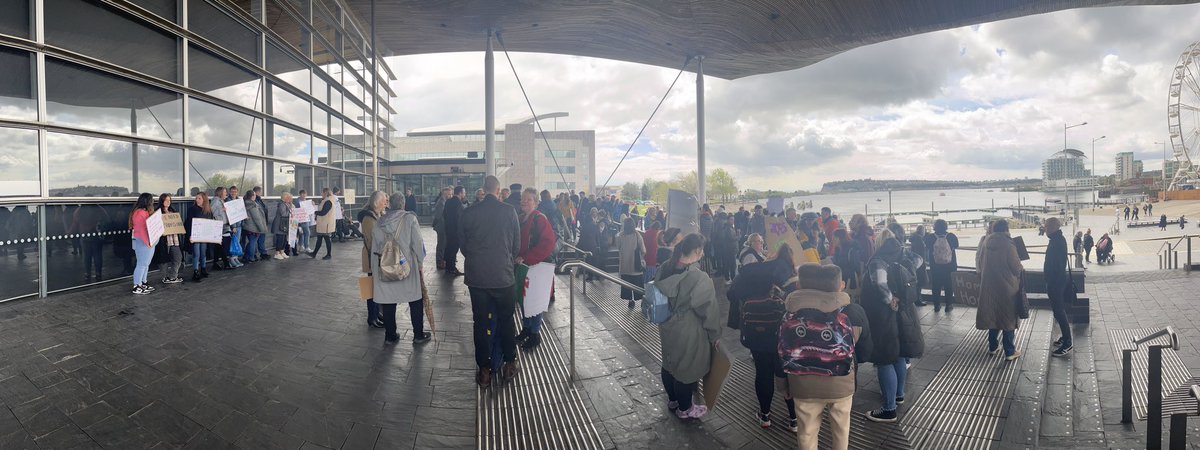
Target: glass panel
320 151
304 179
324 25
223 79
322 183
287 68
160 169
335 99
354 112
553 170
250 7
320 121
220 28
353 136
335 127
281 178
18 251
289 107
212 125
15 21
166 9
302 6
290 144
86 98
19 170
17 94
91 28
82 166
87 244
320 89
209 170
287 27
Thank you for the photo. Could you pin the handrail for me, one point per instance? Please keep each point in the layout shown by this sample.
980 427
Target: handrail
1154 395
577 264
572 247
1168 331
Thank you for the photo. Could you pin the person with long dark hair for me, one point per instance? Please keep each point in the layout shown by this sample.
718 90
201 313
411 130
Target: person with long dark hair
200 209
631 251
142 247
167 252
690 336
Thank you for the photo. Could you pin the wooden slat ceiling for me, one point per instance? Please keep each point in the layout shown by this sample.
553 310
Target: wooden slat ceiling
737 38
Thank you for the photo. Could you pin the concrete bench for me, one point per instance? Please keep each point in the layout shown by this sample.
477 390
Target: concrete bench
966 293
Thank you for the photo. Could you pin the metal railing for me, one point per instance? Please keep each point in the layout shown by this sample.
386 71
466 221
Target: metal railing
1154 396
574 266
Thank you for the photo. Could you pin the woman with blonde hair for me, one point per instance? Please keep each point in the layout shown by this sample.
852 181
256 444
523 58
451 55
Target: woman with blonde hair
377 206
280 223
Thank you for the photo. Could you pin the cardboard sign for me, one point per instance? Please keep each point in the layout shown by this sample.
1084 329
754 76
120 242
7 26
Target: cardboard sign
538 282
235 211
154 227
966 288
337 208
366 288
775 205
207 230
1022 252
717 373
779 233
682 212
173 224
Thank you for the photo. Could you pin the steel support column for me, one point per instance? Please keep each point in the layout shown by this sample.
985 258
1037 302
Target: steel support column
489 107
701 175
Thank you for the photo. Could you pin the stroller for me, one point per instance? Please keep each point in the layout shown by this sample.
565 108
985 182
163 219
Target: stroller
1104 251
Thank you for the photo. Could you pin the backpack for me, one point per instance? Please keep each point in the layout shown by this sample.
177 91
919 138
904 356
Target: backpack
393 263
656 308
942 253
816 343
760 320
902 281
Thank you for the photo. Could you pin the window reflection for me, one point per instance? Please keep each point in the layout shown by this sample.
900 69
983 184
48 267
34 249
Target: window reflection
287 27
166 9
100 31
290 144
287 68
86 98
18 251
15 20
209 170
87 244
304 179
281 178
320 151
159 169
289 107
320 121
222 29
19 170
220 78
17 95
212 125
82 166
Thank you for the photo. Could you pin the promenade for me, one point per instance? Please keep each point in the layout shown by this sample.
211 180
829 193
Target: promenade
277 355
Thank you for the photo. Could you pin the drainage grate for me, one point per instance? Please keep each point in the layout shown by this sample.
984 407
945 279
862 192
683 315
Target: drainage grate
540 409
1175 373
738 401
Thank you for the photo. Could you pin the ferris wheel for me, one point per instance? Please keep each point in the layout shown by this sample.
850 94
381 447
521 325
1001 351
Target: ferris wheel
1183 117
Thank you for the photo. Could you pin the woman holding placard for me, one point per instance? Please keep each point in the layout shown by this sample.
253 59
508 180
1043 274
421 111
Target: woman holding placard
167 252
255 226
141 242
305 230
200 209
221 259
326 225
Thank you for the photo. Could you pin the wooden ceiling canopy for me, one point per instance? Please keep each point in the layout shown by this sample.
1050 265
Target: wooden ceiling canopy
737 38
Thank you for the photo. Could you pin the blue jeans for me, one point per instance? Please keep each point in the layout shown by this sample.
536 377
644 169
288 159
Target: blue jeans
262 246
533 324
198 255
1010 341
373 311
302 235
891 381
254 246
144 254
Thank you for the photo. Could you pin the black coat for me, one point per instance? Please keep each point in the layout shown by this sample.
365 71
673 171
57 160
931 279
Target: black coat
755 281
410 203
451 212
1055 267
894 334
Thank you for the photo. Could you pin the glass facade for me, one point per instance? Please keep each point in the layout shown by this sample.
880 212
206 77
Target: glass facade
272 93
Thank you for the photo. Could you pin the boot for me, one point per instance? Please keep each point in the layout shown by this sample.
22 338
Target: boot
196 276
203 272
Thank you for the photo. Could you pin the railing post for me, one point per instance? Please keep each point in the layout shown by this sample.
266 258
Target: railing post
1178 432
1154 399
1176 260
1126 386
574 271
1189 254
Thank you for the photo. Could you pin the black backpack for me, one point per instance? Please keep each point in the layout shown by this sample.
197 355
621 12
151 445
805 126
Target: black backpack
902 281
760 320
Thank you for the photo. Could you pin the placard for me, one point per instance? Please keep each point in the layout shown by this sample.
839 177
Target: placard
718 371
779 233
235 211
538 283
775 205
154 227
173 224
1022 252
309 208
348 195
207 231
966 288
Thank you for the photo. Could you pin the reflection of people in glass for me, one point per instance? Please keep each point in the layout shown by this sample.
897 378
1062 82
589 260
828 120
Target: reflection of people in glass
86 223
141 242
22 226
5 214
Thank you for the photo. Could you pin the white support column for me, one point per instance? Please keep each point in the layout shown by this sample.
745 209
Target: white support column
489 107
701 175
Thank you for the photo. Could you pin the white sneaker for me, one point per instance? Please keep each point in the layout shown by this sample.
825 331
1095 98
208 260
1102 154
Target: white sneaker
277 256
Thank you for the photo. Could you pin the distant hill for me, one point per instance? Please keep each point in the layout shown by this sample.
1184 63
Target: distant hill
868 184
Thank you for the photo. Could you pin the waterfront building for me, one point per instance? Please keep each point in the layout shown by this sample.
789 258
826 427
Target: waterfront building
1067 170
1125 166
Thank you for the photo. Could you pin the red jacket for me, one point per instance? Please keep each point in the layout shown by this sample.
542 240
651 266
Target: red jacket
650 238
541 250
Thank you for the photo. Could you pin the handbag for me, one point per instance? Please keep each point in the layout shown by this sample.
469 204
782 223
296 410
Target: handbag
1021 300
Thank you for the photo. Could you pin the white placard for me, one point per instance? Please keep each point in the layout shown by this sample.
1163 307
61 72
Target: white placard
309 208
235 211
537 289
348 194
294 220
775 205
154 227
207 231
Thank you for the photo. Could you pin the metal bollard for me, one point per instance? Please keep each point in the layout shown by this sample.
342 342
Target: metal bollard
1154 399
1127 386
1178 432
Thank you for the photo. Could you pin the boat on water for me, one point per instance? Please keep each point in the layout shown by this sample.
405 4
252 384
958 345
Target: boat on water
989 190
943 194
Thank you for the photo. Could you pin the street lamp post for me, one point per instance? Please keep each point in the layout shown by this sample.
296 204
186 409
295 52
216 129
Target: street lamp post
1094 176
1065 128
1164 169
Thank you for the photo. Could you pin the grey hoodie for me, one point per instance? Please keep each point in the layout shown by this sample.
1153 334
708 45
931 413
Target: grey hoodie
694 326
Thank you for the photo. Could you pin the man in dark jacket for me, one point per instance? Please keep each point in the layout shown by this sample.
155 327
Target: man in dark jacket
940 272
514 196
453 209
1055 270
547 207
410 201
1088 243
258 198
491 242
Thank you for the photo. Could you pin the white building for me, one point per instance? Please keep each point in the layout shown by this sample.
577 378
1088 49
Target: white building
1067 171
1125 169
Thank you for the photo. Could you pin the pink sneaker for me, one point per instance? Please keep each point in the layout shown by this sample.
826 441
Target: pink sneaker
695 412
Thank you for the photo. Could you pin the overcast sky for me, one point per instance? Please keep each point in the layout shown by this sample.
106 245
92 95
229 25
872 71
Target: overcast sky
981 102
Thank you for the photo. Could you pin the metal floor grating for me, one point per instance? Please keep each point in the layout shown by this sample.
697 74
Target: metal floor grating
540 409
1175 372
738 400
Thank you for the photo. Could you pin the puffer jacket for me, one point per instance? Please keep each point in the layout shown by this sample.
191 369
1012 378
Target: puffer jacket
687 337
256 221
281 220
895 333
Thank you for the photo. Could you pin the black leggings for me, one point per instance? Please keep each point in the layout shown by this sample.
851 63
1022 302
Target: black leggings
678 392
766 366
328 244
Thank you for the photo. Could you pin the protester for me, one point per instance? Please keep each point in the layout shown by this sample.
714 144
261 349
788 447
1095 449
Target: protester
221 258
512 196
1162 223
666 245
377 205
650 240
326 225
439 226
452 213
266 213
1182 222
631 249
758 221
491 240
1088 243
479 196
1000 282
201 209
167 252
753 252
943 262
566 206
1055 270
896 335
255 228
589 239
280 224
304 230
916 244
756 308
821 290
339 219
142 248
547 207
235 230
726 247
401 228
537 247
692 333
